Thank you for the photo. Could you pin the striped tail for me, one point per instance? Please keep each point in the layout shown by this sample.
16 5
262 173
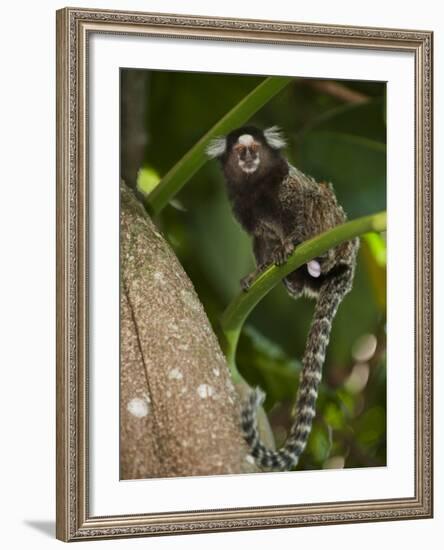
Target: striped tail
330 296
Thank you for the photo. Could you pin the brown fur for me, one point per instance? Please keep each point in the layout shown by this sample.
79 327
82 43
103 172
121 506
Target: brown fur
280 207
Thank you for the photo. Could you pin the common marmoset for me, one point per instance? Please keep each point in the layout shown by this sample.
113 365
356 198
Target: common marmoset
280 207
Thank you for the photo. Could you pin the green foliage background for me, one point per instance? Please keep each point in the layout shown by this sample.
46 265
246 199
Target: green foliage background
331 139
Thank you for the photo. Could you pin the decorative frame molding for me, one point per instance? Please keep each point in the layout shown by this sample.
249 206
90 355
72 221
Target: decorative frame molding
73 27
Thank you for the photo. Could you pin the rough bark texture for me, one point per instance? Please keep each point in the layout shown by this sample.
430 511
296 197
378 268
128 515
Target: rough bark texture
179 411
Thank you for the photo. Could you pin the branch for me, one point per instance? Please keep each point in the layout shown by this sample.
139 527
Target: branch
236 313
338 90
195 158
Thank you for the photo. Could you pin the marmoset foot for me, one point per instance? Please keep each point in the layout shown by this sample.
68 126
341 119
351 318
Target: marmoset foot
282 252
247 281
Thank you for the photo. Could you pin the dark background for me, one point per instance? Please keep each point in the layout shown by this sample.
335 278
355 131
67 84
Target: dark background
336 132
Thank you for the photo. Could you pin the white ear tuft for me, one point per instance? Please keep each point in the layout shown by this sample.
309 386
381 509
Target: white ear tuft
216 147
274 137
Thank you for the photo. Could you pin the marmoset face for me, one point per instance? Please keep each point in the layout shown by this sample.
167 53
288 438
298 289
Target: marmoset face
248 151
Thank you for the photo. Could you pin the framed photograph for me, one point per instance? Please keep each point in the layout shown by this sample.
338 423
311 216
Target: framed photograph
244 274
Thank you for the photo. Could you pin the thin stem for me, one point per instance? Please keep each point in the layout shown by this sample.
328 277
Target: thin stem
338 90
236 313
195 158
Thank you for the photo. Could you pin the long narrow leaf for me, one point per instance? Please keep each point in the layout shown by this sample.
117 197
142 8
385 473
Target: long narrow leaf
236 313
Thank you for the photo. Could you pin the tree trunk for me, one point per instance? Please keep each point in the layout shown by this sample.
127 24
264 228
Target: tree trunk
179 411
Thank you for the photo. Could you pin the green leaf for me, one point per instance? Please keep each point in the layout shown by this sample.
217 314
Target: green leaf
370 426
263 363
319 444
147 179
363 119
374 253
377 247
334 416
355 165
239 309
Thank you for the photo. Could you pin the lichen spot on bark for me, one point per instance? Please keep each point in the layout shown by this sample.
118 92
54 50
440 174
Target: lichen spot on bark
204 391
138 407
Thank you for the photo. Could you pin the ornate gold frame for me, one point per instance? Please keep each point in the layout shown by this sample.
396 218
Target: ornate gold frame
73 28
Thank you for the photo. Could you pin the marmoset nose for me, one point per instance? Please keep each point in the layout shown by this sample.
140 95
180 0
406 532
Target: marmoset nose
249 155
